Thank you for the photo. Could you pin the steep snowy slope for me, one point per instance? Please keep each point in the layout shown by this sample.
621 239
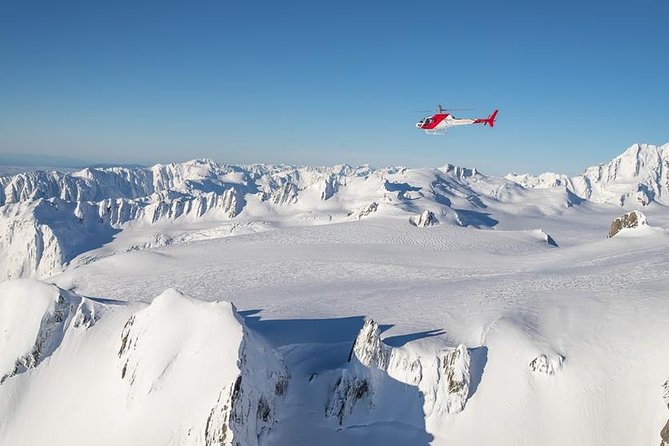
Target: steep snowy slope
176 371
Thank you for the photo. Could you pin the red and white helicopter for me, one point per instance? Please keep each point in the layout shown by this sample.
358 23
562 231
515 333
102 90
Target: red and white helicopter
442 120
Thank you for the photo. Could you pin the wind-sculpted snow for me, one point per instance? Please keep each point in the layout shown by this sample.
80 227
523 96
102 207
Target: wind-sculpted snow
222 384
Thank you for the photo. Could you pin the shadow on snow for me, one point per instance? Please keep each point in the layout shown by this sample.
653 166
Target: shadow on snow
316 351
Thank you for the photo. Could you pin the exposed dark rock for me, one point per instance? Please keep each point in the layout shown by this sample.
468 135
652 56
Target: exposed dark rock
632 219
551 241
664 435
124 336
281 386
286 194
455 374
365 210
348 390
424 219
542 364
545 237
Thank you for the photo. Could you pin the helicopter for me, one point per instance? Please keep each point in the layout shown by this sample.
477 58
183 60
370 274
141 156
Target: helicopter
443 119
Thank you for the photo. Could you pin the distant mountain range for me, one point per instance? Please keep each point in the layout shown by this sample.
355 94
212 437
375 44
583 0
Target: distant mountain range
48 218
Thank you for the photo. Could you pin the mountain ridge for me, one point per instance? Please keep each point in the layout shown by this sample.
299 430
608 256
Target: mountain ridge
49 218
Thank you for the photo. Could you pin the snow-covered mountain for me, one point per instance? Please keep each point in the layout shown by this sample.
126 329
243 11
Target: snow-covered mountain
47 219
375 308
640 175
114 370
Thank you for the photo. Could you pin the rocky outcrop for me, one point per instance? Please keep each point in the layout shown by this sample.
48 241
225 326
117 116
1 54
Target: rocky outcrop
664 433
545 237
368 348
378 374
544 365
247 409
286 194
364 211
424 219
551 241
630 220
453 378
348 391
330 186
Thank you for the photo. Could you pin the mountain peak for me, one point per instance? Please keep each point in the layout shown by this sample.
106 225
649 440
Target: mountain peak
639 175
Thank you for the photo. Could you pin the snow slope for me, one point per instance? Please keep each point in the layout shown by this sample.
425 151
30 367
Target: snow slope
360 329
565 344
110 370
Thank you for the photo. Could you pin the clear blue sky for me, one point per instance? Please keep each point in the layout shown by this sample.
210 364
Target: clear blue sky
329 82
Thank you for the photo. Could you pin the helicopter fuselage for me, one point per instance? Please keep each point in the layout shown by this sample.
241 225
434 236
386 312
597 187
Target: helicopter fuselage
440 122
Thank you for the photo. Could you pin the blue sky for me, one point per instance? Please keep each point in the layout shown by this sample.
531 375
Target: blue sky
331 82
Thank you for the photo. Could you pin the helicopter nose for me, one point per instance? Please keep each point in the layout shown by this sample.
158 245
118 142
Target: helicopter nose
419 125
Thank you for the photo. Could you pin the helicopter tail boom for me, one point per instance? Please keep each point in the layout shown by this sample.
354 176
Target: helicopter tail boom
490 120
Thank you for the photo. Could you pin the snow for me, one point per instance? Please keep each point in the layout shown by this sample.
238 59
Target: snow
355 325
23 306
638 176
115 378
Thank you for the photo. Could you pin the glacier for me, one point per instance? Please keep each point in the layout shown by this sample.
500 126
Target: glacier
209 304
